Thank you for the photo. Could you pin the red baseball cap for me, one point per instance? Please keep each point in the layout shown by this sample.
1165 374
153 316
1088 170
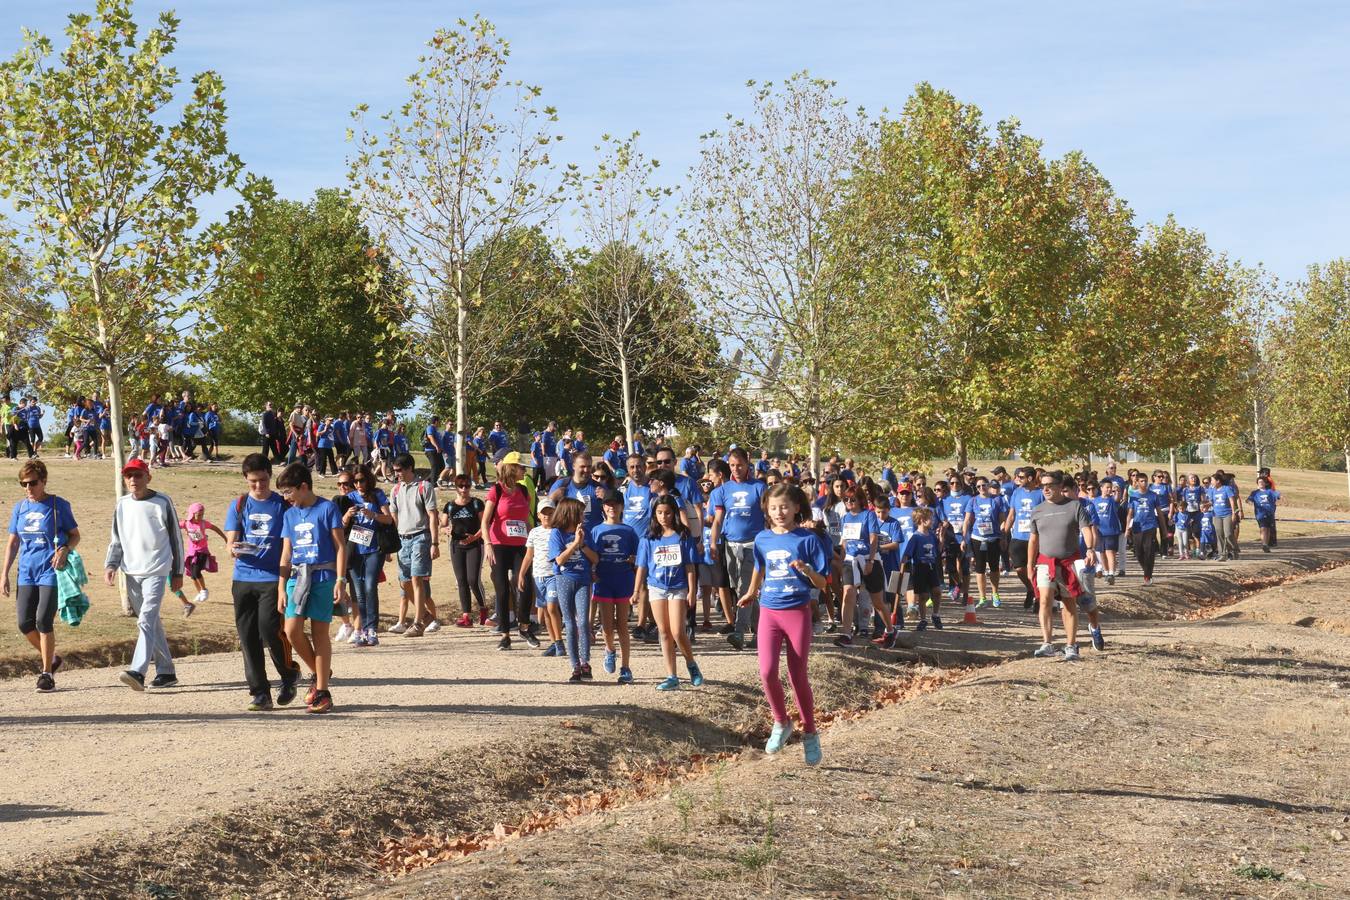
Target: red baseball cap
135 465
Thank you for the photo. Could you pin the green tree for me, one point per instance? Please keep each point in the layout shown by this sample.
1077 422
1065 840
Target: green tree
301 309
764 255
632 314
457 170
1311 350
106 180
23 329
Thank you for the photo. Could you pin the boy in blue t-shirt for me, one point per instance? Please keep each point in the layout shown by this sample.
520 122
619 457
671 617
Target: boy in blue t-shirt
313 552
253 525
1208 537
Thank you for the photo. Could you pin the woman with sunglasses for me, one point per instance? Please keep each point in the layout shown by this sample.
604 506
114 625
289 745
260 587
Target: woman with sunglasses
370 508
351 628
463 516
42 532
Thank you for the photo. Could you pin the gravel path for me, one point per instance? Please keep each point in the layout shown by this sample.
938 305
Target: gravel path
96 757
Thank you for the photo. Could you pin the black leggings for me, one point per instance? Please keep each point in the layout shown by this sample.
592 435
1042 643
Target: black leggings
1145 547
36 608
326 460
506 564
468 563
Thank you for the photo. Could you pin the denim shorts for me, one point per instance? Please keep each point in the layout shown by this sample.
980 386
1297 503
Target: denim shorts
543 592
414 556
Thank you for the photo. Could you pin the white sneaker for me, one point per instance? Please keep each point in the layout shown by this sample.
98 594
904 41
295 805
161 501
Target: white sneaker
206 594
433 625
355 636
1045 650
343 633
1070 652
398 628
200 598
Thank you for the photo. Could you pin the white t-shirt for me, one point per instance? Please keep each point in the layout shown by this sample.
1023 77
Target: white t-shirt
540 567
165 431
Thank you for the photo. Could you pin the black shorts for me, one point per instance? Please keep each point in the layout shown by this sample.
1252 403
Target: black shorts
36 608
986 555
196 564
922 579
1017 552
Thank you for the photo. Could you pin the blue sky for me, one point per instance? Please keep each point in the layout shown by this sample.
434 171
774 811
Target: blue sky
1233 116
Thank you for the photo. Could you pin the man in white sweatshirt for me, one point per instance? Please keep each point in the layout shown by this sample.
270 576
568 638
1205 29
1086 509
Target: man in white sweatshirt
147 547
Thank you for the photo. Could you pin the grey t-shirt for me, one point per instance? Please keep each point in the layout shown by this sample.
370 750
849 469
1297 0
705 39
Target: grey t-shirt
413 503
1058 527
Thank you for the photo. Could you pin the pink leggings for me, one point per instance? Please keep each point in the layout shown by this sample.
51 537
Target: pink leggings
794 625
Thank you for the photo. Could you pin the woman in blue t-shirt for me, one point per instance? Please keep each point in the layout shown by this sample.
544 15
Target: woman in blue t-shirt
370 507
790 562
666 562
42 532
572 555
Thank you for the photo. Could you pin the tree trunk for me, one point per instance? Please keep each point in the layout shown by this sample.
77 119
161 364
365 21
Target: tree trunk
627 401
961 453
815 455
119 460
461 368
1256 430
1172 462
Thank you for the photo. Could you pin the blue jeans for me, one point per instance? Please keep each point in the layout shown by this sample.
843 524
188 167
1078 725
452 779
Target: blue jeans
364 572
574 601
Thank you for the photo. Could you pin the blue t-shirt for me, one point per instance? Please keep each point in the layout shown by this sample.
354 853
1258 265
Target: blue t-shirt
325 435
690 493
1145 508
365 518
665 559
888 475
920 549
905 516
742 516
954 509
856 530
400 443
637 506
33 417
1007 488
1263 500
1191 497
342 429
383 437
1181 519
1223 499
890 534
1108 515
261 528
1164 494
1207 535
151 410
432 433
1119 482
1023 502
989 515
618 460
212 421
577 567
550 443
498 440
41 527
783 586
310 531
591 497
617 546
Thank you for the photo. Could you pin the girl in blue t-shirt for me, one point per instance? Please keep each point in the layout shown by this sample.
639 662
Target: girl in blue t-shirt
790 562
572 558
665 565
616 544
919 557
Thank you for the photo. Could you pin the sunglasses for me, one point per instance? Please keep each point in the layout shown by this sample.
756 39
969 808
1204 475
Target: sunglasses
346 484
33 483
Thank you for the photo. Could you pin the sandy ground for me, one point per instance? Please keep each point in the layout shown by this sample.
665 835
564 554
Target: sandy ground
1198 758
96 758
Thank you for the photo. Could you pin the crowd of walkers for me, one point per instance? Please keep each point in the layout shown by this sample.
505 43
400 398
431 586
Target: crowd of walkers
641 544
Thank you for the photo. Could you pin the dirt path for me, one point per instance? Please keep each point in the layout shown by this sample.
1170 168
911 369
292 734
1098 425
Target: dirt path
96 758
1195 758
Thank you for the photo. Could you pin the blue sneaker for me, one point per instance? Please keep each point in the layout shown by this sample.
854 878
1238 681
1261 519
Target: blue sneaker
551 651
811 744
1098 642
361 640
671 683
778 738
610 661
998 601
695 675
372 639
625 675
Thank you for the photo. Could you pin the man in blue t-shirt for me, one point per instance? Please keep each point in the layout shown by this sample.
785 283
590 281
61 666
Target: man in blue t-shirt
432 447
581 487
637 496
738 517
497 438
253 523
1024 498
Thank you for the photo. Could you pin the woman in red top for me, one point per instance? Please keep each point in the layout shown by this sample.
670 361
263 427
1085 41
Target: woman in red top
507 514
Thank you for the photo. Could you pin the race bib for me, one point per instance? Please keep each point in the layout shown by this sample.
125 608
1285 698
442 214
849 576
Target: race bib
853 531
667 555
515 528
362 535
